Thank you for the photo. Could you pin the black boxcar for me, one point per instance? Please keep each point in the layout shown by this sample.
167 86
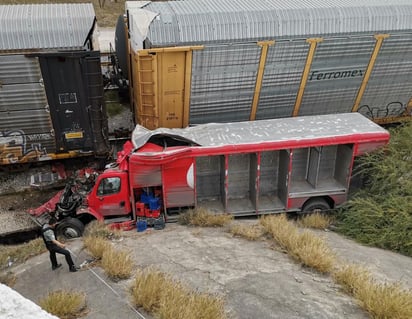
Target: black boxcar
51 91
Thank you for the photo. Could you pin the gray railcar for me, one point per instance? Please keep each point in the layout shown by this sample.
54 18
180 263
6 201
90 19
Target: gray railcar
201 61
51 91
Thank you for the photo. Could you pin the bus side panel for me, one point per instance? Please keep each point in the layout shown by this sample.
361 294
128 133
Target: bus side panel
178 183
144 175
284 176
297 203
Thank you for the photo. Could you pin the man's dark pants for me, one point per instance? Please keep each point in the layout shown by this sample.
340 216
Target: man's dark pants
53 249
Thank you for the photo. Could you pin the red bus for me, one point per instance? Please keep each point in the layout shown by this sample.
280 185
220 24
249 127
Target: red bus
243 168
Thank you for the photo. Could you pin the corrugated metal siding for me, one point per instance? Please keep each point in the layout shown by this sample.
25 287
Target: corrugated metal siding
203 21
336 74
16 69
45 26
283 72
23 105
390 86
223 82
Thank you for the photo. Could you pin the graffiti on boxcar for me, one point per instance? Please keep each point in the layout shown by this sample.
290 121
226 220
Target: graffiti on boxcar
14 148
392 109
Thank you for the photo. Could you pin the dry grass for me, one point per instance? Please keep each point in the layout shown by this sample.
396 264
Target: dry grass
182 304
250 232
350 277
203 218
107 11
64 304
8 278
158 293
280 229
100 229
305 247
117 264
386 301
20 253
148 287
312 251
96 246
316 220
381 300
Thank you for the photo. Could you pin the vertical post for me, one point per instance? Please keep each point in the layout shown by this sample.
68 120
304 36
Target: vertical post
257 181
259 77
408 109
313 42
226 184
187 87
379 40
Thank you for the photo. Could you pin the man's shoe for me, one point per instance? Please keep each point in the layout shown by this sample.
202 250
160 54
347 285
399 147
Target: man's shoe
74 269
57 266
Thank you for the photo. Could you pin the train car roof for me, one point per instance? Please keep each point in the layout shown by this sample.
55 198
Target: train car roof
332 127
45 26
176 23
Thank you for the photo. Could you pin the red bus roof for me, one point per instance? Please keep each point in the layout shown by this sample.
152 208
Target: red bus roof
334 126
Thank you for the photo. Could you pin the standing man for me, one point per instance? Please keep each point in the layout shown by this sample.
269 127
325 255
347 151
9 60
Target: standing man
54 246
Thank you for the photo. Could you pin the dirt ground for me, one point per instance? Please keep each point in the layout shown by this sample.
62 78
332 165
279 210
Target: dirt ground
256 279
14 207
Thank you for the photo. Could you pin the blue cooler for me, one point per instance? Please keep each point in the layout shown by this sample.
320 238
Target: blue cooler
154 203
141 225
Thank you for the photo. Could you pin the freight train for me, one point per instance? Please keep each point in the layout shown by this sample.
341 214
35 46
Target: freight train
186 63
193 62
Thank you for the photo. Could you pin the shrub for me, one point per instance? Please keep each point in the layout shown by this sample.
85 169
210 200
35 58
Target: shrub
96 246
117 264
64 304
168 299
148 288
381 215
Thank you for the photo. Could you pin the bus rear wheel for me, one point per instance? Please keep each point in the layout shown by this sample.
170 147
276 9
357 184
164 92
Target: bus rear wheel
315 205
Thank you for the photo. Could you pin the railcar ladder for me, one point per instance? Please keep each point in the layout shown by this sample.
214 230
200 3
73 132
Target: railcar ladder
148 113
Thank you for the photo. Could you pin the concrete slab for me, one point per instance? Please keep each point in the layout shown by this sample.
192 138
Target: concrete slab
105 298
256 279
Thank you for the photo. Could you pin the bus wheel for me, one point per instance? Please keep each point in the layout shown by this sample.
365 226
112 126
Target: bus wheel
70 228
315 205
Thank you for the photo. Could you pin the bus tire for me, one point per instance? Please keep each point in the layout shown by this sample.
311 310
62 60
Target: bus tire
70 228
315 205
